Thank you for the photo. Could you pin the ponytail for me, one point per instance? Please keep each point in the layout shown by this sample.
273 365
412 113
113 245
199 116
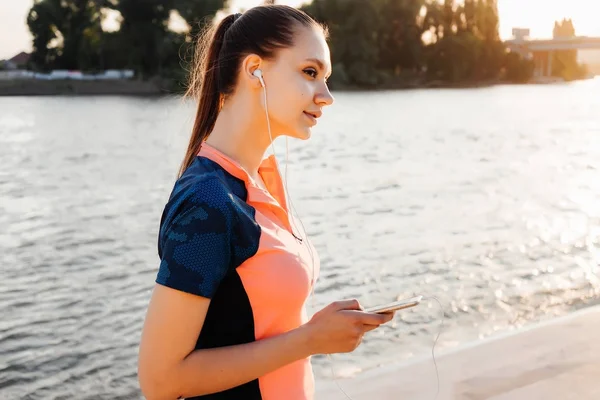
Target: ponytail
205 87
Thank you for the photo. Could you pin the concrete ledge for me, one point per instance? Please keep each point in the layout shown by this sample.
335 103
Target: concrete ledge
554 360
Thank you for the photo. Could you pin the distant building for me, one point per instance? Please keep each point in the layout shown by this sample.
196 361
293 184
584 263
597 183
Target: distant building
541 51
520 34
17 62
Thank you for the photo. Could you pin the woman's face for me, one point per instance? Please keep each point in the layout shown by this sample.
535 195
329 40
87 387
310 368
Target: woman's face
296 84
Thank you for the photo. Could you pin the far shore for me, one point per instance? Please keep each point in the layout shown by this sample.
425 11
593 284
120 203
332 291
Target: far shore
155 87
27 87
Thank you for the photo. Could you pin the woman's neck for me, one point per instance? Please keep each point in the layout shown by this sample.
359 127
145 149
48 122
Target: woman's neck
240 135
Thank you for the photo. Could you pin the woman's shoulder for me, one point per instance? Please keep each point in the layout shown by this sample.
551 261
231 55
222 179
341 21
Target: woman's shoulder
196 233
205 218
206 192
195 193
206 180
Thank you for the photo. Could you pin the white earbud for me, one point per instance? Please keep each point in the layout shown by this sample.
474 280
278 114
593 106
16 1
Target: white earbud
258 73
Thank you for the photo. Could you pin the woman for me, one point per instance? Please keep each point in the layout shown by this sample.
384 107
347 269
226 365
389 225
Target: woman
227 317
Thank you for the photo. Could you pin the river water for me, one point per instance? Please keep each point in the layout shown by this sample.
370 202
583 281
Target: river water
488 199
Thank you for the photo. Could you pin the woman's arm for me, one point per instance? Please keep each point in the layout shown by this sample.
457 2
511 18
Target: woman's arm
169 367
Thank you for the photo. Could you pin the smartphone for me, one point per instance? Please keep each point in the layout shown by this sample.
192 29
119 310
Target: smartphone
396 305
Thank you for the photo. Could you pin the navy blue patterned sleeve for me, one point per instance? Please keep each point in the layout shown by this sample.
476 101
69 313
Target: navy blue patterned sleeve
195 246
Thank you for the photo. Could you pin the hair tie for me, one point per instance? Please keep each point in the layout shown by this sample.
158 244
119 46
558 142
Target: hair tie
236 16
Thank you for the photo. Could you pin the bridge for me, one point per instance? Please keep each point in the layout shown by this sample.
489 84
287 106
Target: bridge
542 50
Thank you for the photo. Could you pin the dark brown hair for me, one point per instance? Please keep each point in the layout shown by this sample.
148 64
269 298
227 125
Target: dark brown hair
261 30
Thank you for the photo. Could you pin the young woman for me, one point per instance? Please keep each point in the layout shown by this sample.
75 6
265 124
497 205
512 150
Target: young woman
227 317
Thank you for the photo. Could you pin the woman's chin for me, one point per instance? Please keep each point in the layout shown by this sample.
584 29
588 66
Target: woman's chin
304 133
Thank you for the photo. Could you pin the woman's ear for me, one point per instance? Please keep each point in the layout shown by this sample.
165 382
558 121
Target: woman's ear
251 63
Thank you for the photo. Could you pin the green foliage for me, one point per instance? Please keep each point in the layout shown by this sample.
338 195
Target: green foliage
198 13
353 39
68 34
466 47
375 43
44 20
454 58
564 63
382 42
516 69
400 32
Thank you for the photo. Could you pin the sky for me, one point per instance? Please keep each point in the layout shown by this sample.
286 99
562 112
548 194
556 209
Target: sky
538 15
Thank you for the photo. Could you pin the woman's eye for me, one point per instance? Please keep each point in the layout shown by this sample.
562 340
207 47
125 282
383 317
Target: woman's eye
311 72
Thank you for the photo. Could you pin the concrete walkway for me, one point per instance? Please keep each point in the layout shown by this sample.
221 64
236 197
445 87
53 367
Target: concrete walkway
554 360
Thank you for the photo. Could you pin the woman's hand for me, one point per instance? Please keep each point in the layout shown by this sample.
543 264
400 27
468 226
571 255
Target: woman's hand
339 327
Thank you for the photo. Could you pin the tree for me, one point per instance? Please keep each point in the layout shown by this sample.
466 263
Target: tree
518 70
493 51
467 45
433 20
401 31
143 27
41 21
564 63
354 27
81 31
488 21
199 13
448 18
66 34
563 29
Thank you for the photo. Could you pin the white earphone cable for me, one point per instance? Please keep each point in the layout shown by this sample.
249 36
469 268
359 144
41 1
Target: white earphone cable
287 195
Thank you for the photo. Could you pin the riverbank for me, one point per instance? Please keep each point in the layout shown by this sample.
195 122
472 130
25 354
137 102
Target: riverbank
157 87
26 87
553 360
